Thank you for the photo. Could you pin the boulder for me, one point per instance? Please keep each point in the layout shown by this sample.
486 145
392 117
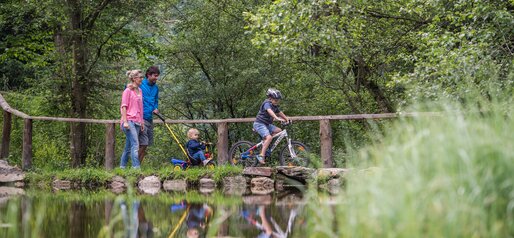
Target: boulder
150 185
175 185
258 171
295 172
118 184
332 172
9 173
262 185
236 185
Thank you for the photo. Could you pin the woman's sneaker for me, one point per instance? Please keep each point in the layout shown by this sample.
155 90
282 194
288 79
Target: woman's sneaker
260 159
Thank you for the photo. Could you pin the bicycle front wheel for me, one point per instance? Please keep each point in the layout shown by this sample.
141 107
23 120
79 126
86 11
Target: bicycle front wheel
240 154
301 151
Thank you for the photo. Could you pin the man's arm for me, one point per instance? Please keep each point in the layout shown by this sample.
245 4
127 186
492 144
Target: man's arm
156 106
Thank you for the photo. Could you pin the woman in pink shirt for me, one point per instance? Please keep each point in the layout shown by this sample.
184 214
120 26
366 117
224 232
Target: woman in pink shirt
132 118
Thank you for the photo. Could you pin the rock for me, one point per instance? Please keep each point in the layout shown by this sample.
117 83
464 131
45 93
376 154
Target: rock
118 184
207 183
262 185
150 185
332 172
236 185
61 184
258 171
175 185
9 173
298 173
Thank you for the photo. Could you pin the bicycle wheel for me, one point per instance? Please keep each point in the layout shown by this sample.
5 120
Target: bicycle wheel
240 155
301 152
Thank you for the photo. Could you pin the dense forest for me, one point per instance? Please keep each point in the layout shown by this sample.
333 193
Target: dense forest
217 58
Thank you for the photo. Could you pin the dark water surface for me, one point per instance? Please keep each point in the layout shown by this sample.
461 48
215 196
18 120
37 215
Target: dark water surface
191 214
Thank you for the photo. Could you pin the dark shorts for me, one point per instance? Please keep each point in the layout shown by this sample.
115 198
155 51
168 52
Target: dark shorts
146 136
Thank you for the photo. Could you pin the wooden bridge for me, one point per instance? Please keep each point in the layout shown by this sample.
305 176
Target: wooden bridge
325 131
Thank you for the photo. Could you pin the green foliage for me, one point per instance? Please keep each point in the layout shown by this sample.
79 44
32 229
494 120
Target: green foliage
453 171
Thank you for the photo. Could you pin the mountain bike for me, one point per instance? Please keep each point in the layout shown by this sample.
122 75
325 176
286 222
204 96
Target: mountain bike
294 153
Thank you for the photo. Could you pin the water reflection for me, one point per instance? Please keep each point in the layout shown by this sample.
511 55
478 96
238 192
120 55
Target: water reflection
134 220
68 214
196 217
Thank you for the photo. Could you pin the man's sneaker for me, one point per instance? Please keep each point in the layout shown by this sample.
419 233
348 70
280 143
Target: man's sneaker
260 159
206 161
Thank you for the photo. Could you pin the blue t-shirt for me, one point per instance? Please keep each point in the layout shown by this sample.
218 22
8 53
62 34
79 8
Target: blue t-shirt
263 116
194 146
150 98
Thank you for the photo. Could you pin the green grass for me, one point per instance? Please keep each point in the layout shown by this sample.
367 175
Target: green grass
446 176
99 176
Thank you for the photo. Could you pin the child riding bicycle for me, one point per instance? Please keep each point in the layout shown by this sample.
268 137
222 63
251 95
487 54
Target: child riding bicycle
263 124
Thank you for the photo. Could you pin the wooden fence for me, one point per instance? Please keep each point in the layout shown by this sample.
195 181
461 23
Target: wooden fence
325 132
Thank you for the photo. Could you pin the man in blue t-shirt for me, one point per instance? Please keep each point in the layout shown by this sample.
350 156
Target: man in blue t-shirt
150 106
264 121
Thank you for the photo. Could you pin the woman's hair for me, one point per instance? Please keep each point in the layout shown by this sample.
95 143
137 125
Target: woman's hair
131 74
191 131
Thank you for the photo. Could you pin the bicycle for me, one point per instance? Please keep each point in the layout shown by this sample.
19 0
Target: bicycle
294 153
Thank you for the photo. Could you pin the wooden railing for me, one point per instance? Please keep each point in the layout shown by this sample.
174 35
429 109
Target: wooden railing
325 132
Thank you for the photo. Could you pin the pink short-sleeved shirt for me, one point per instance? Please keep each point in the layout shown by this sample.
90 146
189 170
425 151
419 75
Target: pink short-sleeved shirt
134 104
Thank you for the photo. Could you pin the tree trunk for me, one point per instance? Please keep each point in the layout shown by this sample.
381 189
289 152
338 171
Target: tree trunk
362 74
79 92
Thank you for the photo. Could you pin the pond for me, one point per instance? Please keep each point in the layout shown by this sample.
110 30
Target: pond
191 214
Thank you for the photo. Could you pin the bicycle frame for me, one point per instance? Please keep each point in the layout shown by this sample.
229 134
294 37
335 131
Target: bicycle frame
281 135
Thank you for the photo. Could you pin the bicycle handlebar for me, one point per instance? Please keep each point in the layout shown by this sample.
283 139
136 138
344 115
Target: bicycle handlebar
286 123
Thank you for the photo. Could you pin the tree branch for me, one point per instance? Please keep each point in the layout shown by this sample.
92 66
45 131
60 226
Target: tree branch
89 21
99 49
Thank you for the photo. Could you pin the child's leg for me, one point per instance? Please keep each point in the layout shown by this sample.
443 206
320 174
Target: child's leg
199 155
264 132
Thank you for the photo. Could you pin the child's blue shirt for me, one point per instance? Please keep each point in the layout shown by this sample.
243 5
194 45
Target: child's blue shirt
194 146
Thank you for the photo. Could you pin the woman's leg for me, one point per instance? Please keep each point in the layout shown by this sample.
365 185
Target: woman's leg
126 150
134 143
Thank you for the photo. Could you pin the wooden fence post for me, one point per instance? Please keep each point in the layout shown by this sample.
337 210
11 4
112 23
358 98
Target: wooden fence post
6 135
27 144
222 143
110 141
325 134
